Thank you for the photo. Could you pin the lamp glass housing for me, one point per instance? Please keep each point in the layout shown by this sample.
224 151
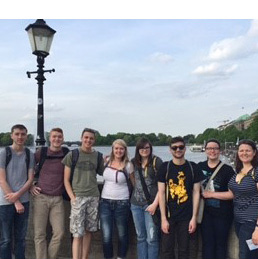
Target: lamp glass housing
41 37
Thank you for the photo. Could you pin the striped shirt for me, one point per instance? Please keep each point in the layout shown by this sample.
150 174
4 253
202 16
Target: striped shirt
245 197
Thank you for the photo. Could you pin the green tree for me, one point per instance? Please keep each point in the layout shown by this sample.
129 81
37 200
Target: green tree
190 138
6 139
30 140
252 131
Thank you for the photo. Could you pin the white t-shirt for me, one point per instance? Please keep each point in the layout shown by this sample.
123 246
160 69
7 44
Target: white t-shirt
115 184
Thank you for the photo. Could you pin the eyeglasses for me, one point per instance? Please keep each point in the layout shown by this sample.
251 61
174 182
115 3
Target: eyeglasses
144 148
212 148
174 148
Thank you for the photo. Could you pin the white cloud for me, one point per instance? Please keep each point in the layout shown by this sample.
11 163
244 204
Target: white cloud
253 31
53 108
159 57
207 69
215 69
231 69
28 117
236 48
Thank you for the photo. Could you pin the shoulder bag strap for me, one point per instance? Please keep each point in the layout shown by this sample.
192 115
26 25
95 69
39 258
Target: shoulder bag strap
144 186
214 174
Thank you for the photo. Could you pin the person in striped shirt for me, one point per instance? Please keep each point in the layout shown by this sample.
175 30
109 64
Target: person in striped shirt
243 188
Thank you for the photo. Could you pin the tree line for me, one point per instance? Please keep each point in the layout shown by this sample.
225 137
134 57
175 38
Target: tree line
131 139
228 135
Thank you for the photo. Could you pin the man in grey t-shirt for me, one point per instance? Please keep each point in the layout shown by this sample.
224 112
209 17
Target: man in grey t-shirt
15 181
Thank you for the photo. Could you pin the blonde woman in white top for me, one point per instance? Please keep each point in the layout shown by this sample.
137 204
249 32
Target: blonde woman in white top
114 203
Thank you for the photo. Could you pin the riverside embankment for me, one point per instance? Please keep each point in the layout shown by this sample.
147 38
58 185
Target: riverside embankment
96 248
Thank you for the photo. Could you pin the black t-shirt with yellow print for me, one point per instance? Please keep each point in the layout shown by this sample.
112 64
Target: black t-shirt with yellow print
179 181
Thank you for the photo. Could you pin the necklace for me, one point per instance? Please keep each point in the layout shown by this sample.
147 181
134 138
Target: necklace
241 175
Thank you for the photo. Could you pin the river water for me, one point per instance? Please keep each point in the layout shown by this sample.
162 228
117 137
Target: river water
160 151
163 153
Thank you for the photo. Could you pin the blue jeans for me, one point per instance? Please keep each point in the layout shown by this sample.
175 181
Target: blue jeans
147 233
244 232
114 212
13 223
215 231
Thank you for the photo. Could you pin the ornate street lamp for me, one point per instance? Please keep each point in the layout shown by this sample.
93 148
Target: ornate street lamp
40 36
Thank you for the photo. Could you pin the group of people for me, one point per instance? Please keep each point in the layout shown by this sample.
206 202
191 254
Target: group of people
163 198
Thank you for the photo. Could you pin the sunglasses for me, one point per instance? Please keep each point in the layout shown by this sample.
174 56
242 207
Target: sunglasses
174 148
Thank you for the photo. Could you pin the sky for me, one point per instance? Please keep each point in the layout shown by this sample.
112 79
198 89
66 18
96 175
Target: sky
172 76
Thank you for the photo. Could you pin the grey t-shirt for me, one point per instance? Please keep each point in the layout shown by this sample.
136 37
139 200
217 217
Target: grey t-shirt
16 173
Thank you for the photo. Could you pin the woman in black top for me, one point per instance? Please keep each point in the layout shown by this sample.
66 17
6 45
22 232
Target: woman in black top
218 214
145 169
243 187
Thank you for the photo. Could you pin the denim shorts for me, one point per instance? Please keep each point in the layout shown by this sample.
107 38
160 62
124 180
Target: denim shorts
84 215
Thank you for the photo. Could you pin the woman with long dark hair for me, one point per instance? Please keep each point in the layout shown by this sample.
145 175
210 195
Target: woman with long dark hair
217 214
143 208
243 188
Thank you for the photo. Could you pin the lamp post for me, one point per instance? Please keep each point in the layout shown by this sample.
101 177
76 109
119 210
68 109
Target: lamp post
40 36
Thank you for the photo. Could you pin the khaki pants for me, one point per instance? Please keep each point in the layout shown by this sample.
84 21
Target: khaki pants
48 208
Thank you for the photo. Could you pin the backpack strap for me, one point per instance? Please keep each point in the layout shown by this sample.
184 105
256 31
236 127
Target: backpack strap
191 167
166 190
99 160
42 158
8 158
27 160
128 181
75 157
154 160
65 150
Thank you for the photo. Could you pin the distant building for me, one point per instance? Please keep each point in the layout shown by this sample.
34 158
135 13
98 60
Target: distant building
241 123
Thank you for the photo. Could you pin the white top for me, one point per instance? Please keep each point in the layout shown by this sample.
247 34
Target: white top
115 185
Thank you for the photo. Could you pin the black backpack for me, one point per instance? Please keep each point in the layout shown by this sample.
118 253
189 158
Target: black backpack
8 158
75 157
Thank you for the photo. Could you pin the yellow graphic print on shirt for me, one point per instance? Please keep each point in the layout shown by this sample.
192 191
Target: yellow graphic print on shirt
179 189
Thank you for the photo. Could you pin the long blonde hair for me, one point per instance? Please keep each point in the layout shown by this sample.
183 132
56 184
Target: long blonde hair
121 142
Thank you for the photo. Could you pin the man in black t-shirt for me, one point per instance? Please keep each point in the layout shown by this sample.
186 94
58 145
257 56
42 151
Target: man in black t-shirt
179 194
